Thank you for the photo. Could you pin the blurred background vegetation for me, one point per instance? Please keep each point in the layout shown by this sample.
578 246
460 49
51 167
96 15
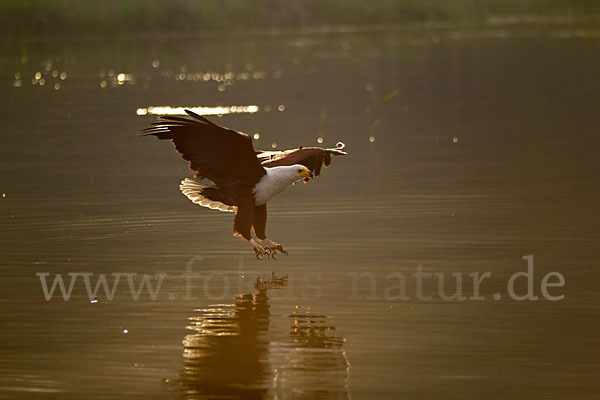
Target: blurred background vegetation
95 17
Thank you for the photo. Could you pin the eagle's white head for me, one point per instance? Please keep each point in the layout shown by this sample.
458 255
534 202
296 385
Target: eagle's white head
289 174
299 171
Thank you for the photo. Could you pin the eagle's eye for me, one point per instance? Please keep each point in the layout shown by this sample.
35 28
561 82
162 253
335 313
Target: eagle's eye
299 170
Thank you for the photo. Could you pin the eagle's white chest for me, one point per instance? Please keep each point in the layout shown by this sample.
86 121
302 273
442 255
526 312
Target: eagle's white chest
271 184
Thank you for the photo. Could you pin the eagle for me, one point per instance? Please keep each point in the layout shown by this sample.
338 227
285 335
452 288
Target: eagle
243 179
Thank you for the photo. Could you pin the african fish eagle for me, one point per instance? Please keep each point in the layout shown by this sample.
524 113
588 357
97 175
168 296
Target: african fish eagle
244 180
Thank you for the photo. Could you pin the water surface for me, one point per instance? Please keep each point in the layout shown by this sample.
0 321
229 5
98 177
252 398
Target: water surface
468 150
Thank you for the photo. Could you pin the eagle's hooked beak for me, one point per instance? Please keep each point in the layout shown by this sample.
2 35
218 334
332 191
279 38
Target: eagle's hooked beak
307 173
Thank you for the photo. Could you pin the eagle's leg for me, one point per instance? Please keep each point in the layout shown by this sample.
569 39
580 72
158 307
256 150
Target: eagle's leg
242 224
259 224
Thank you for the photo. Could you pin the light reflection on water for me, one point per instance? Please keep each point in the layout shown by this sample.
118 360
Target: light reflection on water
311 361
234 352
168 110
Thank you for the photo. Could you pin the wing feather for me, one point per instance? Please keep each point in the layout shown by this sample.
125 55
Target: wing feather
222 155
312 158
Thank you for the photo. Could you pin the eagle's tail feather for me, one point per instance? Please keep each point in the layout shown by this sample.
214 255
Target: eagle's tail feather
205 196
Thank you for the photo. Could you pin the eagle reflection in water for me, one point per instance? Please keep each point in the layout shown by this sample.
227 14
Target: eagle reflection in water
237 351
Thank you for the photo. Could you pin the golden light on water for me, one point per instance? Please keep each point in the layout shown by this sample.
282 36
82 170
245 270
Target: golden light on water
168 110
45 76
123 77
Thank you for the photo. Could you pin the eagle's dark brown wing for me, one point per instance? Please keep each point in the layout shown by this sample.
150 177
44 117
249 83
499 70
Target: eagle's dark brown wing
312 158
222 155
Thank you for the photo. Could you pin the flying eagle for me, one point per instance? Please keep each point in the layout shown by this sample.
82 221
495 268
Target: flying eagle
244 180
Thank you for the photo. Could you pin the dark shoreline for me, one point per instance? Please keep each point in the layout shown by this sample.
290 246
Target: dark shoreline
136 18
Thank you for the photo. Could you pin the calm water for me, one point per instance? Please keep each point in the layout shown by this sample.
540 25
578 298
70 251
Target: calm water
468 151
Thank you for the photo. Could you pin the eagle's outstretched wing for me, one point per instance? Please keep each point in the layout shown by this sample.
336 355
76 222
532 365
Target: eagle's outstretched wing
312 158
222 155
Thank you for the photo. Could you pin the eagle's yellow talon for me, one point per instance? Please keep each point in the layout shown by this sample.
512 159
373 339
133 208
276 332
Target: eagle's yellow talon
273 248
259 251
